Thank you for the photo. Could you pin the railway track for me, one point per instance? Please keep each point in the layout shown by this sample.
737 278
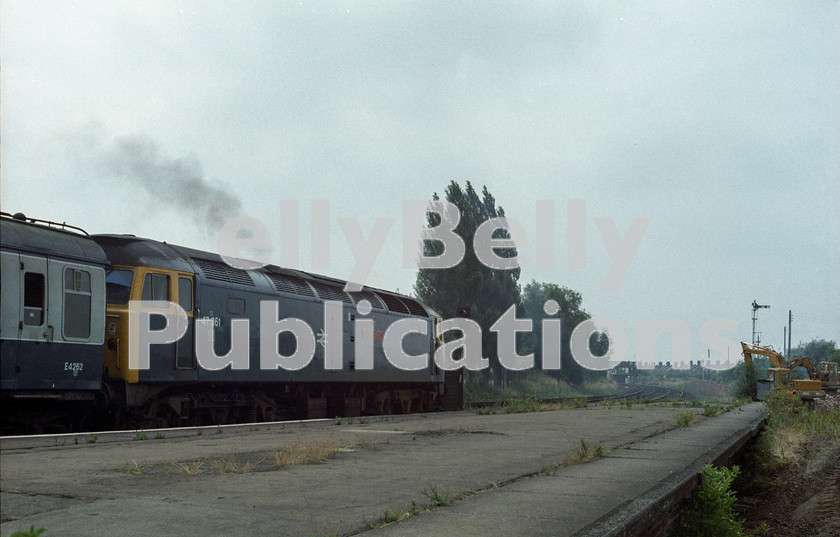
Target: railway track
631 392
652 393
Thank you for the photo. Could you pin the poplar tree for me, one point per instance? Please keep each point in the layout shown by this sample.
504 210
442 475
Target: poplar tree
487 292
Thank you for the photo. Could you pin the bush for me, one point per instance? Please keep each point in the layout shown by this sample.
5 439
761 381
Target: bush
787 410
747 384
781 403
708 512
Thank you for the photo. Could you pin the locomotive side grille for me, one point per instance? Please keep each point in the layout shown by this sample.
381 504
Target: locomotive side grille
393 303
414 307
290 284
223 272
328 292
374 300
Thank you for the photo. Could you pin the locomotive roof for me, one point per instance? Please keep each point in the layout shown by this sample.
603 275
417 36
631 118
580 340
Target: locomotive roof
33 238
131 250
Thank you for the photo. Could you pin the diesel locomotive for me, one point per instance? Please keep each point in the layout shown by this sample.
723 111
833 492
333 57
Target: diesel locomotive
64 336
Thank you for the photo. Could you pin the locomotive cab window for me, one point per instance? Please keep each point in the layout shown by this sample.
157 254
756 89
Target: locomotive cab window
156 287
118 286
76 303
33 299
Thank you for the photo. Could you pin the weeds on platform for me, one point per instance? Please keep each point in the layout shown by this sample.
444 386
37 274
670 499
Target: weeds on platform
304 452
31 532
710 411
708 511
140 435
585 452
227 466
438 498
575 402
389 517
685 418
134 468
582 453
188 468
529 403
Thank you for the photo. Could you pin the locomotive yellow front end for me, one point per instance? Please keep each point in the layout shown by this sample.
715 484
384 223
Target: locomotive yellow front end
126 284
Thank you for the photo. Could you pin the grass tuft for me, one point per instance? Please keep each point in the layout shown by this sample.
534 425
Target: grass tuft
31 532
685 418
529 403
134 467
438 498
304 452
188 468
227 466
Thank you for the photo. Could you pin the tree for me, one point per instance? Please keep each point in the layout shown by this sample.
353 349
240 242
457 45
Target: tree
818 350
487 292
747 383
534 297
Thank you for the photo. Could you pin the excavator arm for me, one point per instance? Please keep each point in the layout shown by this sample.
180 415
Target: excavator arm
775 358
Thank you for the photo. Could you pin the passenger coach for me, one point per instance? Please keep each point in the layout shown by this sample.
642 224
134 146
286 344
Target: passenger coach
52 321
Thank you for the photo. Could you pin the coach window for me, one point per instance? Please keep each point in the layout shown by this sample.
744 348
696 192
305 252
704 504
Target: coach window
185 293
156 287
33 299
76 303
118 286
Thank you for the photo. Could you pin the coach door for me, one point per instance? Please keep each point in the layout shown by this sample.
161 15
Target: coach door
34 329
33 285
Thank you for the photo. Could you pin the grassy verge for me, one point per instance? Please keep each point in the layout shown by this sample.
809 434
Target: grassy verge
536 384
790 424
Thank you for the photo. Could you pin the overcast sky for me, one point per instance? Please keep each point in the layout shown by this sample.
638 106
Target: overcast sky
718 122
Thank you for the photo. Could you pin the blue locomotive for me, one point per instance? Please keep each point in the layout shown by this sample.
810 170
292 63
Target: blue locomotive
64 337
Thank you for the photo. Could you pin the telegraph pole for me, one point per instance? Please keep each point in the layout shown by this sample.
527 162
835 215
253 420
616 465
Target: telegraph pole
755 307
784 343
790 321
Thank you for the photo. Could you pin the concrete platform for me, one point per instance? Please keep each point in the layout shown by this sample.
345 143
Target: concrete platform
493 465
602 497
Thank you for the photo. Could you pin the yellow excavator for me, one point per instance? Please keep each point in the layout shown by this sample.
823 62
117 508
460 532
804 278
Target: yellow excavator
822 378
